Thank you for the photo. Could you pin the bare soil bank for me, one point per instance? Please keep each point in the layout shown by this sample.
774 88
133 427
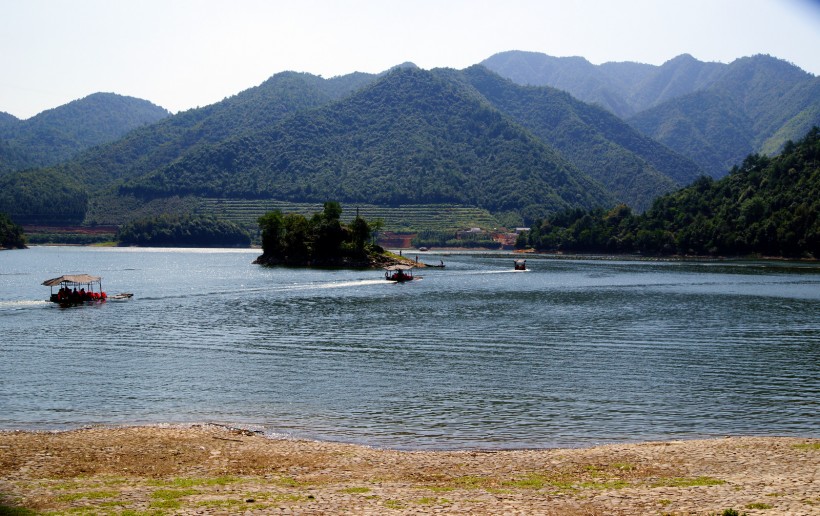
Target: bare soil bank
215 470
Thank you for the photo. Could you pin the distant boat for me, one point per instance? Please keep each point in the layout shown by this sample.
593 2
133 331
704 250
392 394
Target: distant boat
520 265
399 273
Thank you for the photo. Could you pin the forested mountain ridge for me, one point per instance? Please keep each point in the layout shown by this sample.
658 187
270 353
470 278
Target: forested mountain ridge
58 134
633 167
253 144
713 113
756 105
412 136
624 88
258 108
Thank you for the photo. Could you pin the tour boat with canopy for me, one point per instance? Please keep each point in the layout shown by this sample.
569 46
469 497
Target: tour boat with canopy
399 273
77 289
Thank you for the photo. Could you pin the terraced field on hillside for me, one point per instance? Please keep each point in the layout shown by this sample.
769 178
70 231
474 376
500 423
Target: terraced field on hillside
408 218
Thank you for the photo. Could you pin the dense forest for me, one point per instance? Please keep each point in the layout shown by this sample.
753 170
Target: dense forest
173 231
765 206
323 239
43 196
11 234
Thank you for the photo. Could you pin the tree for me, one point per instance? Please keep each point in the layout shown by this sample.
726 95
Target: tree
272 225
11 234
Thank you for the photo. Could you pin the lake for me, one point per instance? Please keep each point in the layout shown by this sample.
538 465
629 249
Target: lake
572 352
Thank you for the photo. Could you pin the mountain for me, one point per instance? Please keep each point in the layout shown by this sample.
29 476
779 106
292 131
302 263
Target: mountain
412 136
756 105
57 134
623 88
633 167
712 113
407 136
255 109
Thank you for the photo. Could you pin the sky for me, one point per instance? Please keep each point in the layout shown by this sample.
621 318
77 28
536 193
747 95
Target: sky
182 54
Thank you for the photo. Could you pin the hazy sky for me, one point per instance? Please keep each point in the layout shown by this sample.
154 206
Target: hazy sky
181 54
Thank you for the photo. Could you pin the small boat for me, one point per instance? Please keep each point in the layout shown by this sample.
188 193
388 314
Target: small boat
76 289
440 265
520 265
399 273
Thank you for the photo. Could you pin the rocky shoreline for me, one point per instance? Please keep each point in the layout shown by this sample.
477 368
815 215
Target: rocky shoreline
208 469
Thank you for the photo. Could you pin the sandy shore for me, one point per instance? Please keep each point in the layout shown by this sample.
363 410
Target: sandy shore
216 470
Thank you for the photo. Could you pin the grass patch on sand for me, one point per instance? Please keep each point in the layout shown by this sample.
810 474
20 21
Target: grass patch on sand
808 446
470 482
609 484
87 495
439 489
688 482
169 498
173 494
758 505
184 482
393 504
431 500
532 481
355 490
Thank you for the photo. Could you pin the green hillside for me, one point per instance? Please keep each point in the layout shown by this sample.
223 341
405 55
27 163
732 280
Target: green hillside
756 105
633 167
57 134
468 140
43 196
148 148
412 137
765 206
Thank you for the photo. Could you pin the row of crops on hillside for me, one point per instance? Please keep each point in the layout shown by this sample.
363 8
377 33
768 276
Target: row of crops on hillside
407 218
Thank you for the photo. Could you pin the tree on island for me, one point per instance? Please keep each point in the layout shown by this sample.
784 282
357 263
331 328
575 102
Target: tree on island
323 240
11 234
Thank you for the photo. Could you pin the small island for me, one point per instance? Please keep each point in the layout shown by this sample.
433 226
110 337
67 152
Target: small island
321 241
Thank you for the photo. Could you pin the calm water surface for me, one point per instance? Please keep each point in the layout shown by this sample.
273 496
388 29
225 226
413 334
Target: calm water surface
569 353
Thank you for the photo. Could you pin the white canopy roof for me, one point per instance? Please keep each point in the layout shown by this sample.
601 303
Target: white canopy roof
72 278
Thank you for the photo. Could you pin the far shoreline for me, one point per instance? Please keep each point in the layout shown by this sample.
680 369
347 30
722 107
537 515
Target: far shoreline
558 255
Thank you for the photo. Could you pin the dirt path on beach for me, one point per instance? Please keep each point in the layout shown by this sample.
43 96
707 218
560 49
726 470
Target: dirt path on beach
215 470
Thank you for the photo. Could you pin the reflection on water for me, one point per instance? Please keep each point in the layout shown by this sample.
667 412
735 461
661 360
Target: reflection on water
570 352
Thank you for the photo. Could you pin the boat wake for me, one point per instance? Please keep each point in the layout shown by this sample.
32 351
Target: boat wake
22 304
332 284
